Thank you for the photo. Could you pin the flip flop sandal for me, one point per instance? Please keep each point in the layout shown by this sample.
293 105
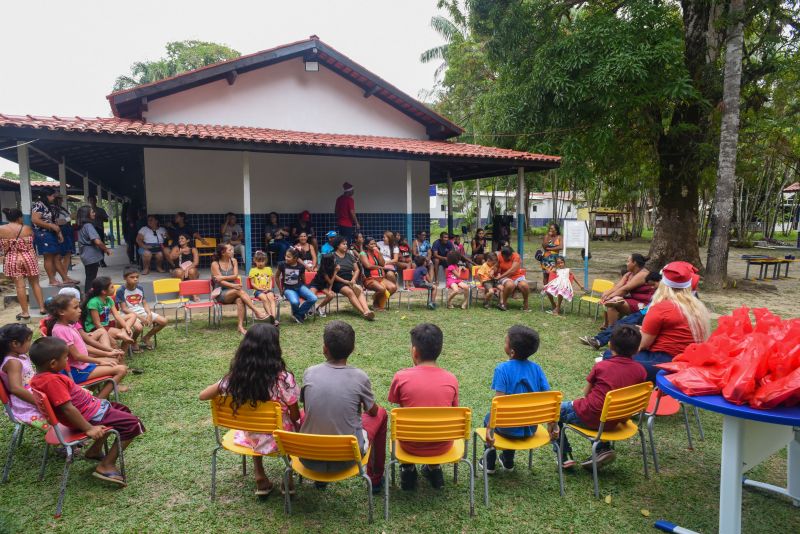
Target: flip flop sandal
137 349
292 492
264 492
21 317
114 477
148 346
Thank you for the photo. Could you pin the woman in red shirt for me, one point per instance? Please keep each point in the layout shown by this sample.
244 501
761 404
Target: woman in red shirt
675 319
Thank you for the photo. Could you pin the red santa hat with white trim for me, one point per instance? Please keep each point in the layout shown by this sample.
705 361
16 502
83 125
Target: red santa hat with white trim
680 275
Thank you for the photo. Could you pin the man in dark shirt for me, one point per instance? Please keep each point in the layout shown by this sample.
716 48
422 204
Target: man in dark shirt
440 249
181 227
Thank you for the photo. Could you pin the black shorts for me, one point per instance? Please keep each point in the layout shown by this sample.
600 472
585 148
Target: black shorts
319 286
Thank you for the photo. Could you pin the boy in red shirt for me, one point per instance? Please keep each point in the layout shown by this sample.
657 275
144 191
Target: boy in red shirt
618 371
79 410
424 385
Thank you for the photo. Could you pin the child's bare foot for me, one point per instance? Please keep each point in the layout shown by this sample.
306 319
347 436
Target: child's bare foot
242 330
464 304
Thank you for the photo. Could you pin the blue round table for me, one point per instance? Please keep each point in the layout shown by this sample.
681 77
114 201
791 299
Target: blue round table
749 436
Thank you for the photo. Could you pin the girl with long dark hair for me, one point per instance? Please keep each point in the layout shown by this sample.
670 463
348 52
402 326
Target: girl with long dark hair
258 374
16 371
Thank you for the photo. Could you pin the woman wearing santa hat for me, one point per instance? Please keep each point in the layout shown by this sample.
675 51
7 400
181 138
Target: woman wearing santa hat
675 319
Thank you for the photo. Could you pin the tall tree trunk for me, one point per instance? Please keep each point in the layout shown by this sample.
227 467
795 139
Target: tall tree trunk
682 150
717 262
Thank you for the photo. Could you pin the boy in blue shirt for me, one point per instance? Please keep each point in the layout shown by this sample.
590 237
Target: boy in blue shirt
517 375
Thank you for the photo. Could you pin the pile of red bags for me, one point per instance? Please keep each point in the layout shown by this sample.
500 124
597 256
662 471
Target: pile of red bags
756 365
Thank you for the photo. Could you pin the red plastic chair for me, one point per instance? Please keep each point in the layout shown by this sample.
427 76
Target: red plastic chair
200 288
19 431
68 438
408 287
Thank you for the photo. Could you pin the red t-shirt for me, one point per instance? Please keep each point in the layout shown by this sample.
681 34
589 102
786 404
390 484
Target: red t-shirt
666 321
344 205
505 265
60 389
424 386
614 373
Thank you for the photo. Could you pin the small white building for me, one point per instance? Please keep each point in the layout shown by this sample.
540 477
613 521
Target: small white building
540 206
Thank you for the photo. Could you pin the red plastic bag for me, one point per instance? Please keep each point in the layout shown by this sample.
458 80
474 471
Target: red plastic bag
781 392
747 370
736 326
673 366
695 381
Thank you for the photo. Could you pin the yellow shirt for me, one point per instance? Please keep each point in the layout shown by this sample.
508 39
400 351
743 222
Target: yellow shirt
261 279
484 272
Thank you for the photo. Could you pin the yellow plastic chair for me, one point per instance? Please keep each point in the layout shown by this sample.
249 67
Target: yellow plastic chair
620 404
295 445
426 425
599 286
523 409
264 418
207 249
168 287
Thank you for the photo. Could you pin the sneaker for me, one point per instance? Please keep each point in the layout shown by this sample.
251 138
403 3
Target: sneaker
431 306
321 312
377 488
507 467
592 342
408 478
298 319
604 457
434 476
488 471
585 340
321 486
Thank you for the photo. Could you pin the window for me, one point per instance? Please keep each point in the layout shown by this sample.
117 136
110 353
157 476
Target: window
569 209
534 208
444 207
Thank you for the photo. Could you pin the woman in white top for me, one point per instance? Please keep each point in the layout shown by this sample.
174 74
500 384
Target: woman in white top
391 255
150 240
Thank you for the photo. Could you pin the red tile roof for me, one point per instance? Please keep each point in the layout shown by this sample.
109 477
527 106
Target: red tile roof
34 183
792 188
267 136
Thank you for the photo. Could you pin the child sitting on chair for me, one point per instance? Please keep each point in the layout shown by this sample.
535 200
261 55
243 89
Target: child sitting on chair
619 371
98 310
485 275
80 411
559 285
131 301
260 276
516 375
424 385
16 372
258 374
338 400
455 284
423 279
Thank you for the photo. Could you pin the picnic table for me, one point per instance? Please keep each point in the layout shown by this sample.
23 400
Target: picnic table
764 263
749 436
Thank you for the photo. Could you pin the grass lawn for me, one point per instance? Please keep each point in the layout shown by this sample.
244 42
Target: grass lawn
169 467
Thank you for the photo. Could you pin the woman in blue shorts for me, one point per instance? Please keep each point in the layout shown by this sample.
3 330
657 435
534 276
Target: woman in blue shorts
48 237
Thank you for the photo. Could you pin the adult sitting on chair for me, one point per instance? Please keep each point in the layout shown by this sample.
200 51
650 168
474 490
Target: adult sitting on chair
303 226
185 257
150 240
376 279
510 277
228 285
440 249
181 227
630 294
233 234
275 236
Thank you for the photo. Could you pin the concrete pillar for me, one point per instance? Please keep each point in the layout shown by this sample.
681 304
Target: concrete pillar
409 205
521 212
449 204
62 181
24 182
248 242
478 203
86 188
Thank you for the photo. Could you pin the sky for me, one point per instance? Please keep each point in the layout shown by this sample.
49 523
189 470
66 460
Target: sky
61 57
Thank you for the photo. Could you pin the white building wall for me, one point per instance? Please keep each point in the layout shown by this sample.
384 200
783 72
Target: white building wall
539 208
210 181
284 96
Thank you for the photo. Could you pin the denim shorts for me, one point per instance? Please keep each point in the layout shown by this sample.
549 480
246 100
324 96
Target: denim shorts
80 376
568 415
46 241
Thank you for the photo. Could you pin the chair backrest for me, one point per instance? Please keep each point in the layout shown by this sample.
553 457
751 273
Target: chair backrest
318 447
4 396
623 403
166 287
600 285
525 409
309 276
466 275
211 244
264 417
474 270
189 288
408 275
431 424
44 406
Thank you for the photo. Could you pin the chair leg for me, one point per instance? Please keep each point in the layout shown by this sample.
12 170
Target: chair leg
560 468
63 491
486 477
287 502
455 473
688 428
474 449
530 459
644 453
21 434
594 469
45 457
244 466
16 437
389 467
214 473
696 418
650 422
369 496
471 486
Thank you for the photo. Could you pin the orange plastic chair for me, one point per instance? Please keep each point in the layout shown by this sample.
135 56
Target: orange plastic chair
408 287
620 404
523 409
191 288
295 445
426 425
68 438
265 418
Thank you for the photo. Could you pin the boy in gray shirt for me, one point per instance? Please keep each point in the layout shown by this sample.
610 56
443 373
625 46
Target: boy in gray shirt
338 400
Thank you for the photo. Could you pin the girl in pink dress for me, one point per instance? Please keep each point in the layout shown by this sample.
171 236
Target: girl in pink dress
16 372
455 284
559 285
258 374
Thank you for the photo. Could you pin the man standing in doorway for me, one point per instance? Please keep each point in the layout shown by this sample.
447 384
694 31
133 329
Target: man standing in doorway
346 213
100 218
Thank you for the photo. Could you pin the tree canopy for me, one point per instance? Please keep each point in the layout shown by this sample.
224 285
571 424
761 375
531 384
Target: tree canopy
181 56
